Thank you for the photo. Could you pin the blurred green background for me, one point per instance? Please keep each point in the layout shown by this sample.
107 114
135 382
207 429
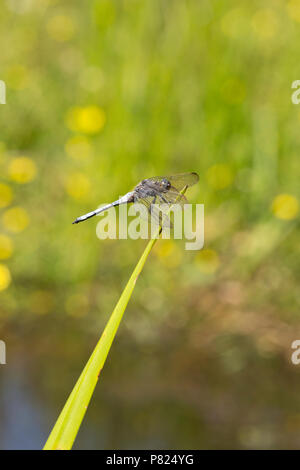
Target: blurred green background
100 95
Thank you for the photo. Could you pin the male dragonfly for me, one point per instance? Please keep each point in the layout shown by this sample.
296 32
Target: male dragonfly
149 192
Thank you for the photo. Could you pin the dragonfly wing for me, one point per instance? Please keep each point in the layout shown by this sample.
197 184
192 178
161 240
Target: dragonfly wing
182 180
156 212
179 181
174 197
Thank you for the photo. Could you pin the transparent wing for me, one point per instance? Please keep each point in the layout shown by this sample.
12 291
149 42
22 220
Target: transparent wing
179 181
182 180
156 211
173 197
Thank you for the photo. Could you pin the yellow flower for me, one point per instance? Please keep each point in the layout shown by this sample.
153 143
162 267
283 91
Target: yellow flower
285 206
78 147
22 170
88 119
61 28
77 185
6 247
208 261
5 277
219 176
6 195
15 219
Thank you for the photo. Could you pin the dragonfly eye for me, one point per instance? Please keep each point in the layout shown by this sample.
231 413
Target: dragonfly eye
166 184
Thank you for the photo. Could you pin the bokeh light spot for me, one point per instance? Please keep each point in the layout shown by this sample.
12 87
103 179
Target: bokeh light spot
61 28
6 195
208 261
5 277
78 147
293 7
6 247
265 23
77 186
169 253
91 79
41 302
232 23
285 206
17 77
88 119
22 170
15 219
77 305
219 176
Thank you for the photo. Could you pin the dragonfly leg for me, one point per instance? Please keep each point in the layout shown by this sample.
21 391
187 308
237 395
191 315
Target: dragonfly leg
163 199
160 214
151 210
152 204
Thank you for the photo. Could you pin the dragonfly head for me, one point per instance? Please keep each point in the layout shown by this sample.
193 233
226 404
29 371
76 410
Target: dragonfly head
165 184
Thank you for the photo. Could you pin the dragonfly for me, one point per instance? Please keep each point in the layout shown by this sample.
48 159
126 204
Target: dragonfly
154 193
